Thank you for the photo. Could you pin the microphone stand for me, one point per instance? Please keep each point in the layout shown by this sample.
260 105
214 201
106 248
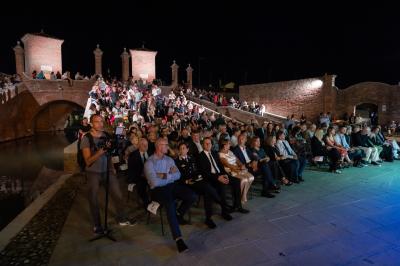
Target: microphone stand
107 232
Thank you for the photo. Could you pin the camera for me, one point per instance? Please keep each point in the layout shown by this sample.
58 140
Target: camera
107 143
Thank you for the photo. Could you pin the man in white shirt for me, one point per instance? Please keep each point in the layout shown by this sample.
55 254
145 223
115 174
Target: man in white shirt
289 158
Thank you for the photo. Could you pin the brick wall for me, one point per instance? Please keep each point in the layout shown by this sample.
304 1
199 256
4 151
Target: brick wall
376 93
306 96
143 62
42 51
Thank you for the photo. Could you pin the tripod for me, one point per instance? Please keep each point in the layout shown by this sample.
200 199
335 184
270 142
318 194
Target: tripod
107 232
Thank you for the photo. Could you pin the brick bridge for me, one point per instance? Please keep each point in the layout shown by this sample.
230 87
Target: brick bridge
41 105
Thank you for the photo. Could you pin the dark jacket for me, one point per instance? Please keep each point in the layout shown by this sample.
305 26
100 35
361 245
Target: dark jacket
361 140
205 165
272 152
317 149
188 168
239 154
135 167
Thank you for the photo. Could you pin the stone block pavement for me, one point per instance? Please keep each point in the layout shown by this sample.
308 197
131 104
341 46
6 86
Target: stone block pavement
351 218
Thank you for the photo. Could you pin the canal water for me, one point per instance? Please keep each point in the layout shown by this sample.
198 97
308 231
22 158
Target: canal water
27 168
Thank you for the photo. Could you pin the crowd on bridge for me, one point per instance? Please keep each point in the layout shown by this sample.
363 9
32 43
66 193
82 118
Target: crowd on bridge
8 89
175 150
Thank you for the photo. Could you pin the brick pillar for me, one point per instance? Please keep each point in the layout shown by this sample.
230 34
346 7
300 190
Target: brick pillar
125 65
98 54
174 68
329 93
19 59
189 78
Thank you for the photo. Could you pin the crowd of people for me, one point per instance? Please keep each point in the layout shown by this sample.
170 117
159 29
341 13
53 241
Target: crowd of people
57 76
220 99
175 150
8 89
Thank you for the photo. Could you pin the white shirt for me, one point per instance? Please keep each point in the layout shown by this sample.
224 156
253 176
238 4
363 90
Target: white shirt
199 147
212 162
284 149
246 156
143 154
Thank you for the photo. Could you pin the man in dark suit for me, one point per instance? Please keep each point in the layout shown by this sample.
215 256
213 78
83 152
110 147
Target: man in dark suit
214 172
191 177
261 132
246 157
136 162
194 145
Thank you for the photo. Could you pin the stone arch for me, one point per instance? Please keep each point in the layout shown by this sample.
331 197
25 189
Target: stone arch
52 115
376 93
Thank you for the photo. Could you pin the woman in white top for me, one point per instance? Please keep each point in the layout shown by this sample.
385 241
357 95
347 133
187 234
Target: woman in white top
235 168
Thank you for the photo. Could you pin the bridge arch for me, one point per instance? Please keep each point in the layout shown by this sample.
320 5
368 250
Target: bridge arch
53 115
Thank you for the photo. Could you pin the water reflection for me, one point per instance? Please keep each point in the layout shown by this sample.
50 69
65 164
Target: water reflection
27 168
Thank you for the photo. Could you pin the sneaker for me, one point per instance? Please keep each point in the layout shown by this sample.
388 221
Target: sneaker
181 246
127 222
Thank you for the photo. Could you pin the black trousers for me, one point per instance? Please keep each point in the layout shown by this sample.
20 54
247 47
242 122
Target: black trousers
234 184
141 188
276 169
166 196
266 173
291 168
210 195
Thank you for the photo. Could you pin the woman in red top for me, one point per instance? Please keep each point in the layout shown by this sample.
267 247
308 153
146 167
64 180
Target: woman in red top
330 142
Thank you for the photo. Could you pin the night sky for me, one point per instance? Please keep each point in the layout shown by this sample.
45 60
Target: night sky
245 43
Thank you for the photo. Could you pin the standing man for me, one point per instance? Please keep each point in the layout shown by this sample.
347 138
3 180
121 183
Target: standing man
94 154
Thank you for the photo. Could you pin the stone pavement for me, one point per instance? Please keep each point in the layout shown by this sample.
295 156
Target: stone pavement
348 219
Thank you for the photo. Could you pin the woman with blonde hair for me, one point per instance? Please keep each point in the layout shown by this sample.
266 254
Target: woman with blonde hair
235 168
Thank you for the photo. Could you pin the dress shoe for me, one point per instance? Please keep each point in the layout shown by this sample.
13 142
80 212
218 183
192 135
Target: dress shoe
267 194
375 163
274 190
301 179
226 216
181 246
242 210
210 223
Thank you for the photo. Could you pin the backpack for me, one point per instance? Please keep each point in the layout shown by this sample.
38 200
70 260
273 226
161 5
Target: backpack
80 159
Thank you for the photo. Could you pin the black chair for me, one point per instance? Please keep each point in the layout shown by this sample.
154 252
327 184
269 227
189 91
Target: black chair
161 219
